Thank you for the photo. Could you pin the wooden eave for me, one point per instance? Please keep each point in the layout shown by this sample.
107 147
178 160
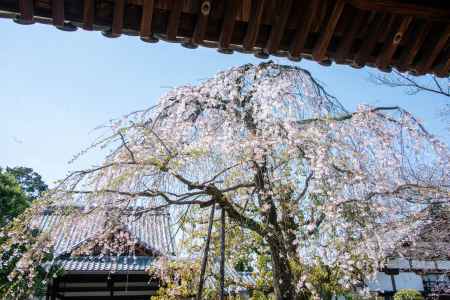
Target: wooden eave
409 35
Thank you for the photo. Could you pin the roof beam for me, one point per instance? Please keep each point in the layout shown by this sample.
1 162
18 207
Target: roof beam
58 12
369 43
320 49
88 14
302 32
119 12
26 8
397 7
345 45
146 20
202 22
229 19
276 34
413 46
254 23
174 19
385 57
429 59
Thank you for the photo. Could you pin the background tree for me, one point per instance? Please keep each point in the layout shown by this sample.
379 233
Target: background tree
30 181
12 199
415 84
323 192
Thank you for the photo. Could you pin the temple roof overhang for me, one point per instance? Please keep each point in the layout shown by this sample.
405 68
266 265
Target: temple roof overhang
409 35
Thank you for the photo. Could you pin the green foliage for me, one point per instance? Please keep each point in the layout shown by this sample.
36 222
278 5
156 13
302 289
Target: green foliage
13 200
30 181
24 268
408 294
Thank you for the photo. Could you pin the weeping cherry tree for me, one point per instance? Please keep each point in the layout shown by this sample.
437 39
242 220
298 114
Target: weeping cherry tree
315 184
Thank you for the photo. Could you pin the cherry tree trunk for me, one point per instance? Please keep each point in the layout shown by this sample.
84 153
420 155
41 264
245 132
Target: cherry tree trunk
283 279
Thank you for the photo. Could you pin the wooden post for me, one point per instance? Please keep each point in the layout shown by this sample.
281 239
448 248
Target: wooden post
205 254
222 255
54 288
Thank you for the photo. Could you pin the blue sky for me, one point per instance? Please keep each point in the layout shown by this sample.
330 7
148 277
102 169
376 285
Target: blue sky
58 86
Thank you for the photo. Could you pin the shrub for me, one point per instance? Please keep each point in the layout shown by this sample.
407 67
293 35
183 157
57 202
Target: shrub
408 294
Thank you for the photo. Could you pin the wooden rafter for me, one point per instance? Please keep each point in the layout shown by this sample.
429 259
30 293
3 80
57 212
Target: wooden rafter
363 55
118 16
174 19
302 31
393 41
319 52
413 46
278 28
231 10
58 12
345 45
88 14
202 21
254 24
429 59
397 7
146 20
409 35
26 8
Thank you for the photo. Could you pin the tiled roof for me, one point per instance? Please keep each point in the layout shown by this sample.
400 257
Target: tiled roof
235 281
70 230
105 264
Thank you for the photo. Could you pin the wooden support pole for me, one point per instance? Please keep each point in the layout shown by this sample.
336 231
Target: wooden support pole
205 254
222 255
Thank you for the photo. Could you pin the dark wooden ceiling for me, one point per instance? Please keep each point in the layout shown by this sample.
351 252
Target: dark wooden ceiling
409 35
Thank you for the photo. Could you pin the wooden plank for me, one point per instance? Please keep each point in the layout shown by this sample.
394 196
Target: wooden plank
320 49
367 45
88 14
302 32
427 62
385 57
344 48
146 19
231 10
26 9
413 46
58 12
174 19
201 23
276 34
399 8
253 25
119 13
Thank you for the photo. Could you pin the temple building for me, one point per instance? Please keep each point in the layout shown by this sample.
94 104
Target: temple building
422 264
